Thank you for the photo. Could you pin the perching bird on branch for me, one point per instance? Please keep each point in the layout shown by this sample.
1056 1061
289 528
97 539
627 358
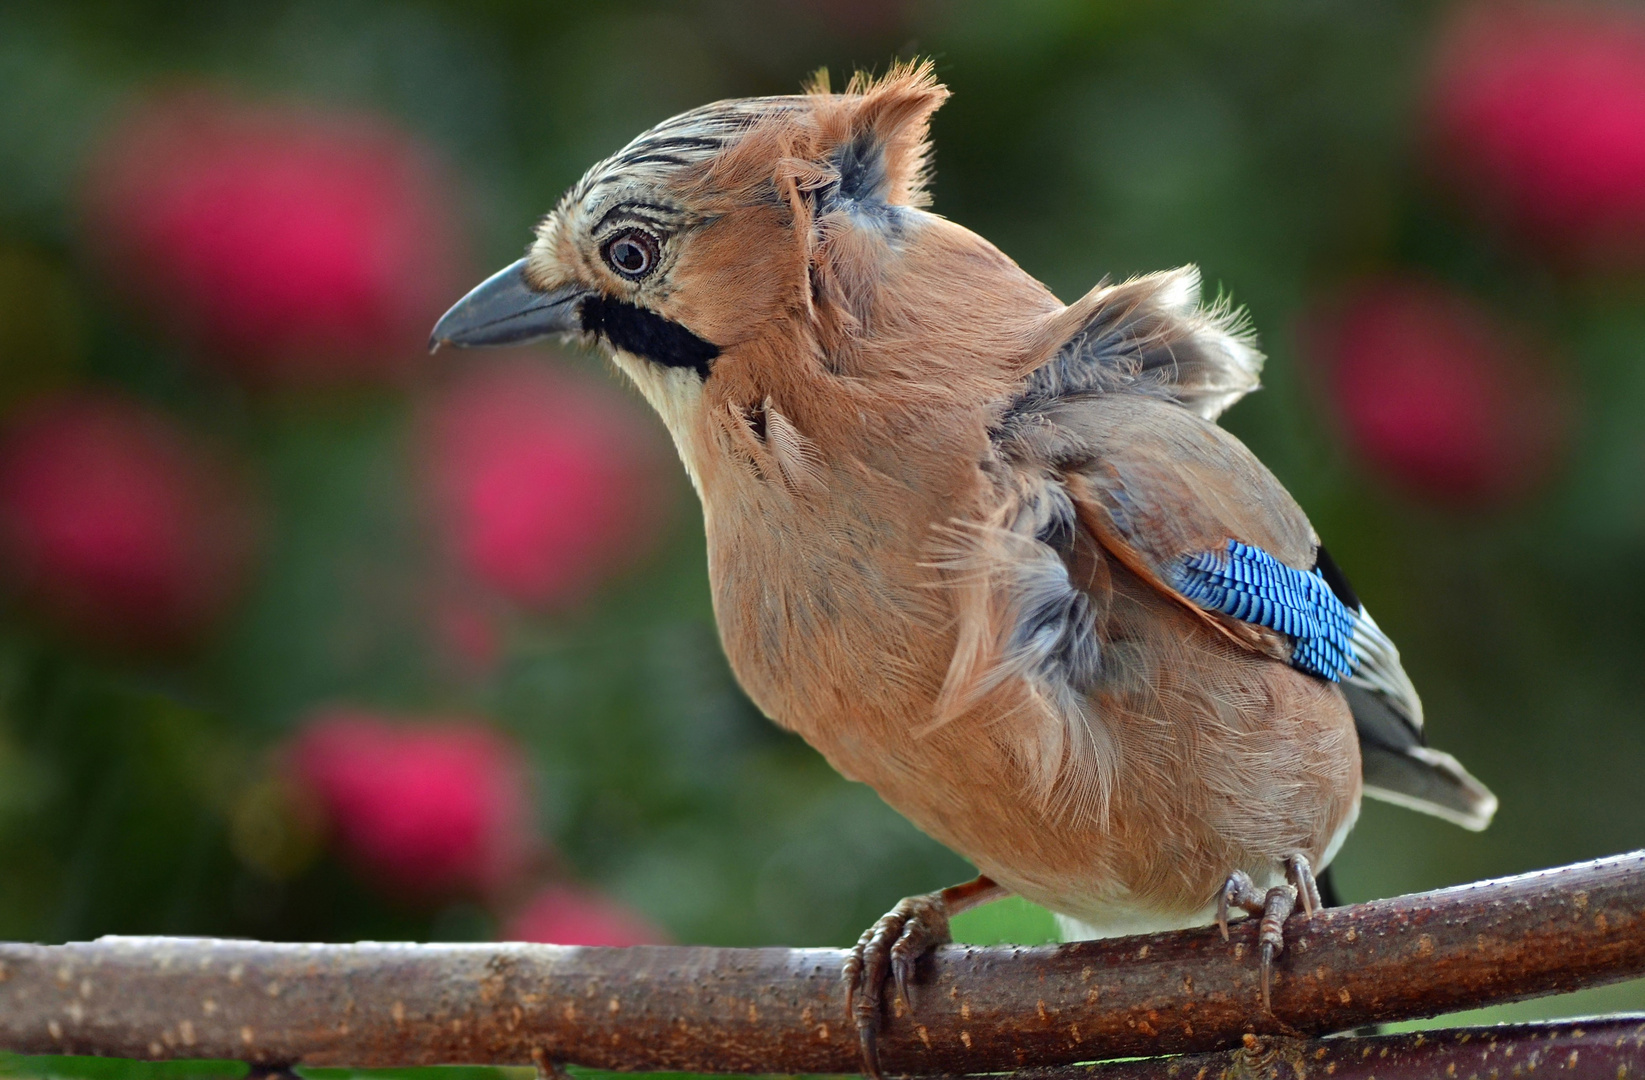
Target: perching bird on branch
989 553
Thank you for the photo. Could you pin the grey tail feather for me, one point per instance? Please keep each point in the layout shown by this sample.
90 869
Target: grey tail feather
1398 769
1430 781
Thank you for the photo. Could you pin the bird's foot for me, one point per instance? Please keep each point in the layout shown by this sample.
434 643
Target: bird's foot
896 942
1274 907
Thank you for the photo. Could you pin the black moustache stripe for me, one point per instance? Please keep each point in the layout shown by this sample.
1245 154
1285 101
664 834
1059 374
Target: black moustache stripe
644 333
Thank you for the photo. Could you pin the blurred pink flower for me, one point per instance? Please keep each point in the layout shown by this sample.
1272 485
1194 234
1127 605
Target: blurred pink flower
1435 394
434 808
1537 114
564 915
118 525
543 482
296 248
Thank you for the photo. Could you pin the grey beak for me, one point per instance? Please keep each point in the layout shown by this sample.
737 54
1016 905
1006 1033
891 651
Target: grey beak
505 309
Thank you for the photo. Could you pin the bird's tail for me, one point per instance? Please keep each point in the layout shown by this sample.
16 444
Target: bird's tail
1400 770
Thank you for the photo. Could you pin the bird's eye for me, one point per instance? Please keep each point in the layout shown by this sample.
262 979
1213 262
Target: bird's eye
633 254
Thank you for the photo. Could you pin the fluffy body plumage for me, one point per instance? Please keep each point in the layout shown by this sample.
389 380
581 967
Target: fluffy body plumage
959 533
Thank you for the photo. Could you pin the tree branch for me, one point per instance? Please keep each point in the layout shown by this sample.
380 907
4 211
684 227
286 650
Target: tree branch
1611 1048
779 1010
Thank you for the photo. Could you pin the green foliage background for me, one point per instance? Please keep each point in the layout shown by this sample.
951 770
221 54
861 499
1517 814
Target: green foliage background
1272 143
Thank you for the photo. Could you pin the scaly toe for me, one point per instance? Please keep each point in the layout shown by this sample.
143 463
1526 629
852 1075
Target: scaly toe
1277 906
925 926
863 974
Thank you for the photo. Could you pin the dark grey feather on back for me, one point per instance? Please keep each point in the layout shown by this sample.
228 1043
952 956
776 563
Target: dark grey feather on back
1151 335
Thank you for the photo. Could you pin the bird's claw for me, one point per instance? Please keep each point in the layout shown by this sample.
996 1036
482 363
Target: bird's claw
1300 873
896 941
1237 892
1274 907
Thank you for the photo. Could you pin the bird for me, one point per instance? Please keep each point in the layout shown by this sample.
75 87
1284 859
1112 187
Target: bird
989 553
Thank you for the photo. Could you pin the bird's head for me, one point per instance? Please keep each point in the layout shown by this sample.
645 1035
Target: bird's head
732 253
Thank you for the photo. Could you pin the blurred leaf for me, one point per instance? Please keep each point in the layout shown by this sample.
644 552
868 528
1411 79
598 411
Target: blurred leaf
47 1067
41 337
444 1072
1012 921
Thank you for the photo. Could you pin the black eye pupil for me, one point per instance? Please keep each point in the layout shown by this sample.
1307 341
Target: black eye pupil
632 253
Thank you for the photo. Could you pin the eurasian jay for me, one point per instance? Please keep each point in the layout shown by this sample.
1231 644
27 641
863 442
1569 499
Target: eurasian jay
989 553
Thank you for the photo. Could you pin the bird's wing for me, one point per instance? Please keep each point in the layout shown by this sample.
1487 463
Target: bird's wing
1185 507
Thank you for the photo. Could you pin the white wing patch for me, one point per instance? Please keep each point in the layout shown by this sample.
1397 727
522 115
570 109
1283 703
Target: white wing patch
1380 671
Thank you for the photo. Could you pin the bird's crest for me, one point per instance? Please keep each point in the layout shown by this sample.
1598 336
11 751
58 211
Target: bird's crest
848 167
868 145
876 135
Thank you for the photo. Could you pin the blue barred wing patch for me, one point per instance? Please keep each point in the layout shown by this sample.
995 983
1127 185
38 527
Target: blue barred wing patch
1253 586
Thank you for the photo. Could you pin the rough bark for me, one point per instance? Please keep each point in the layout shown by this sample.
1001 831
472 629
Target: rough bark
1607 1048
781 1010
